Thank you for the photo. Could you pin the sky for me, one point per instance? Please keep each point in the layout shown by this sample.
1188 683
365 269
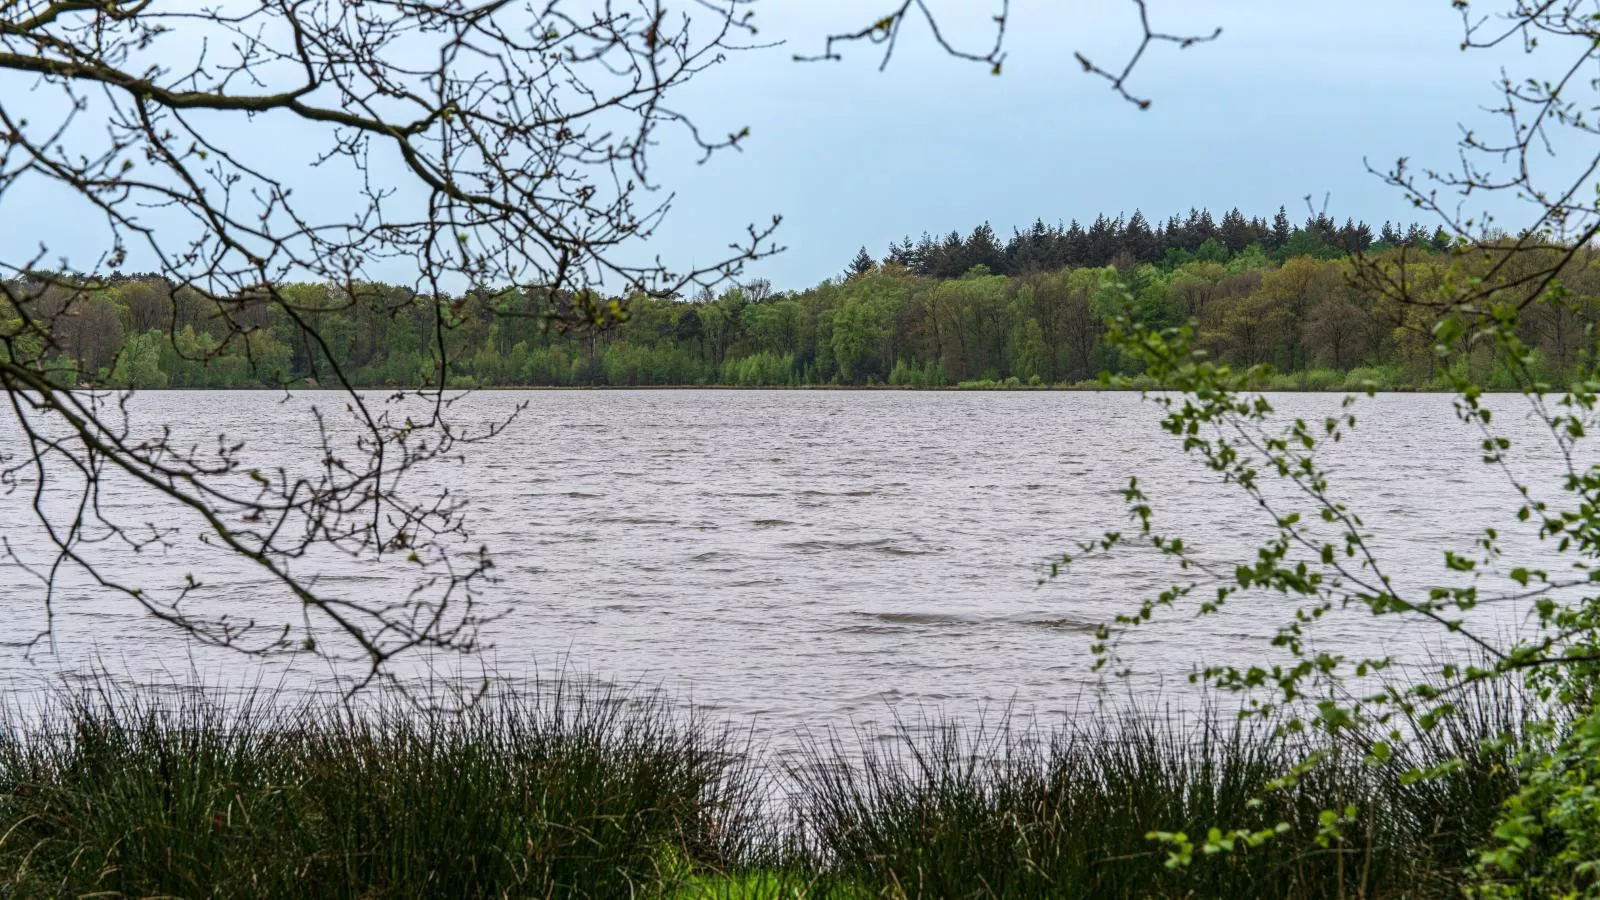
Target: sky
1292 100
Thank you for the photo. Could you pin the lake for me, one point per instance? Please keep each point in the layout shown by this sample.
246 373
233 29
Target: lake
808 557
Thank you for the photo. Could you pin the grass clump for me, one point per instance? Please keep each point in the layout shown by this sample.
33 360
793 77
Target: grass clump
571 794
1002 813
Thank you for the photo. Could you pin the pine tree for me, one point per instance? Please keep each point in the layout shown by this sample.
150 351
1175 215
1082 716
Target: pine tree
862 264
1235 231
983 249
1281 230
1101 242
1138 240
951 258
1355 237
1074 246
1260 232
926 257
1030 252
1176 238
902 254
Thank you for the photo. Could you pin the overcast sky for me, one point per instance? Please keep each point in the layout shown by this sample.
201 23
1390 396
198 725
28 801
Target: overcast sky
1287 103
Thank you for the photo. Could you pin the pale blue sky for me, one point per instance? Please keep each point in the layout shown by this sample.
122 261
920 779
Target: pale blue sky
1286 103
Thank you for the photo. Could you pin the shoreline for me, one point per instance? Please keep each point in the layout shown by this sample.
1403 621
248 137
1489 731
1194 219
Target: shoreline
862 388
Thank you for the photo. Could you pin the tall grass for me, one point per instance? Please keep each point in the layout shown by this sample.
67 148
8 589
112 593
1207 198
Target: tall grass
578 792
1003 812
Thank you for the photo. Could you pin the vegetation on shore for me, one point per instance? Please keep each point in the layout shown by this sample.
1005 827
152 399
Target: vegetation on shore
574 792
962 312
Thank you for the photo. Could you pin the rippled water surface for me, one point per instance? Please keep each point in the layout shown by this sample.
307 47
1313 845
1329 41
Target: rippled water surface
811 557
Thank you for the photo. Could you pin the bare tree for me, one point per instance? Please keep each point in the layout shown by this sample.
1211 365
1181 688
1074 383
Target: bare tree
485 143
1539 110
885 31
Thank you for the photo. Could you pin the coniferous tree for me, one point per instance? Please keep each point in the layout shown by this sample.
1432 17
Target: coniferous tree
948 260
926 256
1260 231
1032 251
1139 241
983 249
903 254
1101 241
862 264
1281 231
1235 231
1075 245
1355 237
1175 236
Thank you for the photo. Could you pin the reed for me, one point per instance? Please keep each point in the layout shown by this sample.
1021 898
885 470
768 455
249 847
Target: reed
1008 812
575 790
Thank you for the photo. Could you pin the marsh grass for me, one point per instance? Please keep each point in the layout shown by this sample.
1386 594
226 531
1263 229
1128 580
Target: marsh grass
579 791
1008 812
576 793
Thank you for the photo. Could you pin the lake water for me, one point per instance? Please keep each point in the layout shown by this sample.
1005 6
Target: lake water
808 557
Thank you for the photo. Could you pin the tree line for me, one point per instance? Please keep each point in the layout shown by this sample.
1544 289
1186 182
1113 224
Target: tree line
1031 312
1128 241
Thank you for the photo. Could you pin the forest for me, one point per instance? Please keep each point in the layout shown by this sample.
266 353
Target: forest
959 311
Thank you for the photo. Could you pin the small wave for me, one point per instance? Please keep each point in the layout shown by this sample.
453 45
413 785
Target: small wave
915 618
903 551
324 577
1060 624
771 523
882 545
580 495
868 629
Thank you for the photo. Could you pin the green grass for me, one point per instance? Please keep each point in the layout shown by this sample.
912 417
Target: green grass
1012 813
578 792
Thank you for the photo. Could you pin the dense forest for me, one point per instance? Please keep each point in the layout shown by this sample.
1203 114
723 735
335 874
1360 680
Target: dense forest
969 311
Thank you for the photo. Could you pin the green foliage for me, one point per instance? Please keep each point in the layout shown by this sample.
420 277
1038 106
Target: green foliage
1304 317
1370 378
139 363
764 369
1318 563
1547 841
